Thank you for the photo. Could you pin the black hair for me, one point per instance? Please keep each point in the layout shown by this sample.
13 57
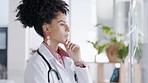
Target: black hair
33 13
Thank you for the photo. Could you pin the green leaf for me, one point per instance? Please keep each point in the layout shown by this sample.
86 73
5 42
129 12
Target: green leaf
120 35
122 53
106 29
106 45
113 40
98 24
112 33
95 44
100 49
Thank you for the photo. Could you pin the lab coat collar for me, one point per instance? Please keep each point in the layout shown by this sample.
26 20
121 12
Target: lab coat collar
45 52
62 52
48 55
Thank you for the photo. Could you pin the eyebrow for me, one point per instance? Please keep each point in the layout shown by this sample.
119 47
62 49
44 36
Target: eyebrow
62 21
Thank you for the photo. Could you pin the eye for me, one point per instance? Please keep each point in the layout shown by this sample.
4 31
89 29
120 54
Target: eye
62 24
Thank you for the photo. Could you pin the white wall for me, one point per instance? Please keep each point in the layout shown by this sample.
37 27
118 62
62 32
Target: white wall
4 8
17 43
82 21
121 16
105 12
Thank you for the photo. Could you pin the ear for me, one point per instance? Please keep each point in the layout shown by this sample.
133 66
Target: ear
46 27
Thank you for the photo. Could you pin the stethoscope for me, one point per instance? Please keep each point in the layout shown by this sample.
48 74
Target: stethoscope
53 70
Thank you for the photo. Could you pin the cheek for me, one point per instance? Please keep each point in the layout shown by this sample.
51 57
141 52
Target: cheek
60 31
61 35
58 35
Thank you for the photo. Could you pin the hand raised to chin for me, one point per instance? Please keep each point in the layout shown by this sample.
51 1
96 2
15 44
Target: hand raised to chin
73 50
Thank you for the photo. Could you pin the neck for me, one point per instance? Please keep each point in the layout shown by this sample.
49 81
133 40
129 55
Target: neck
53 46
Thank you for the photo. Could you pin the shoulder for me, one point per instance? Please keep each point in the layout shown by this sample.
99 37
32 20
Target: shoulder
36 69
36 61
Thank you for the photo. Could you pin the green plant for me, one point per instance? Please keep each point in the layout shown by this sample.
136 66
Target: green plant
113 39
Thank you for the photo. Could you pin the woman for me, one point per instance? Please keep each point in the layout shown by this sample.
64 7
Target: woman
50 63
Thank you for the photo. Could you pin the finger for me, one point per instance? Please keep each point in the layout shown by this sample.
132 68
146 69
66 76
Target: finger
71 45
66 42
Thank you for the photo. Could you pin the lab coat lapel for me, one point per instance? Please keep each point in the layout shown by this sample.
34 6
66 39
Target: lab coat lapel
54 63
49 57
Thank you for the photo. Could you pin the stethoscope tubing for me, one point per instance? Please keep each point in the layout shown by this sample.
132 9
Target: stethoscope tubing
50 68
53 70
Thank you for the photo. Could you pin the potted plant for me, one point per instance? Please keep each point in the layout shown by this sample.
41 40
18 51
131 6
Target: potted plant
113 43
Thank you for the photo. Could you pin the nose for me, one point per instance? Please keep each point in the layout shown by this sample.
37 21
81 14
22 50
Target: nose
67 28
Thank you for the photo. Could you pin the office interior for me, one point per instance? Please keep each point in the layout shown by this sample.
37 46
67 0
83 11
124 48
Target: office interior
128 17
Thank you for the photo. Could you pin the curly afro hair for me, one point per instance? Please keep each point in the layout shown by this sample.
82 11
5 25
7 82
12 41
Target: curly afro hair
33 13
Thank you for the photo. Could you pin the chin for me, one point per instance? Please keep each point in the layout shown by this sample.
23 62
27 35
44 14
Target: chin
62 41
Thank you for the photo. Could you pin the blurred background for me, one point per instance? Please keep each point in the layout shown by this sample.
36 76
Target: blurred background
88 19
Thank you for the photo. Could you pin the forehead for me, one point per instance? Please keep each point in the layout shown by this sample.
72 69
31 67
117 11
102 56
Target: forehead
60 17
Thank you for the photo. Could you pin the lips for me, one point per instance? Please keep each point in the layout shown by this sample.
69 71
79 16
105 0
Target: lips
66 36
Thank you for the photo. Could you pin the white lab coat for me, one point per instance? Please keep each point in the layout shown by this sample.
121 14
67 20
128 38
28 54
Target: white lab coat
37 69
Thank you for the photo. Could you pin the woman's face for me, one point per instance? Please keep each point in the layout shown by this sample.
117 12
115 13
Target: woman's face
59 28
